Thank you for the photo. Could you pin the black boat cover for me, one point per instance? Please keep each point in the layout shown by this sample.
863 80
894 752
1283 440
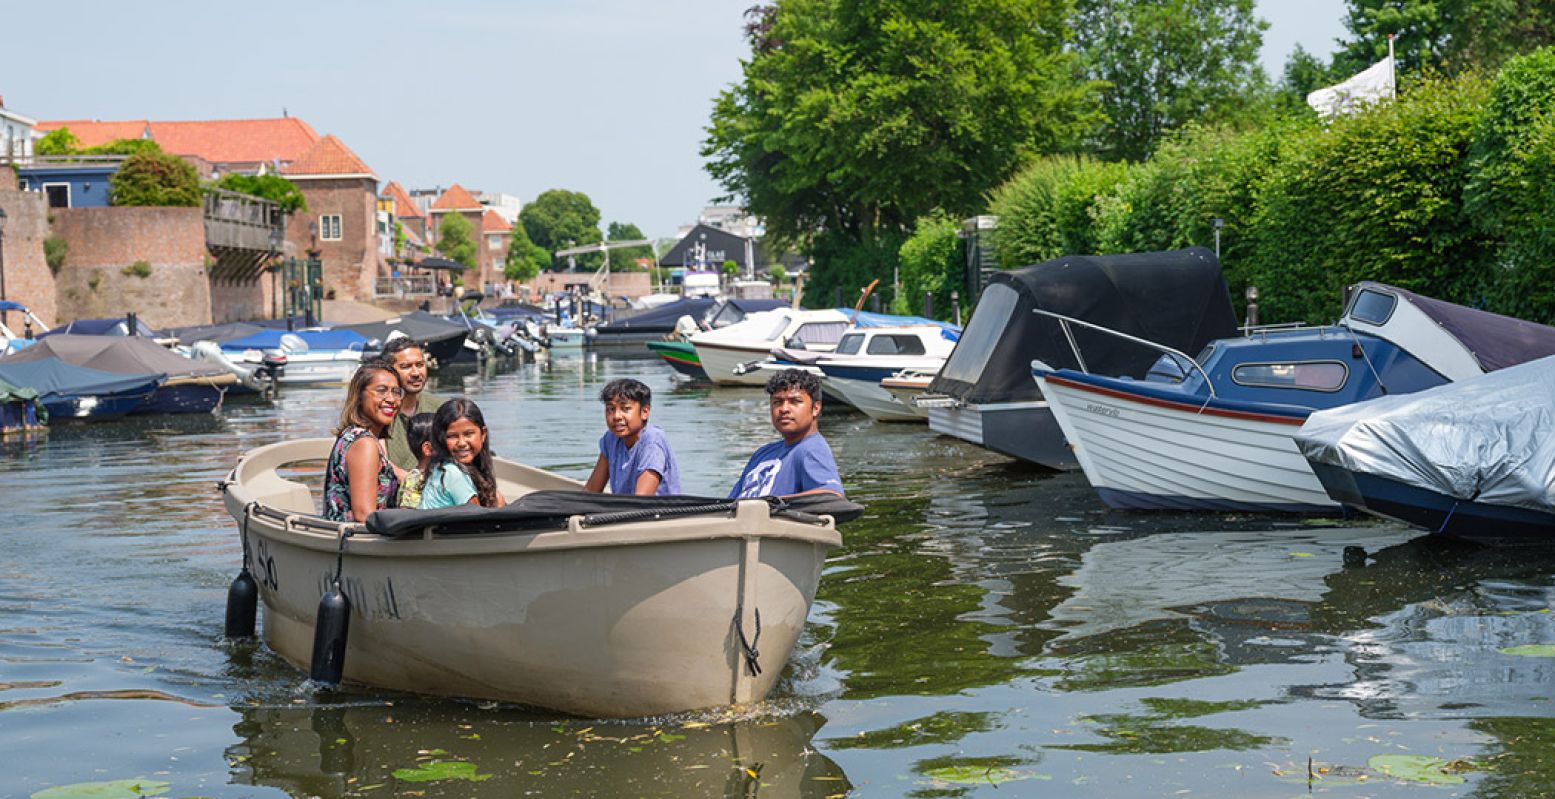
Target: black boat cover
115 326
122 354
1177 298
419 325
661 319
52 377
548 510
218 333
1495 341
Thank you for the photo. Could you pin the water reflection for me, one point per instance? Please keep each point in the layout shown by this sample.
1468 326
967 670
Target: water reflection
335 750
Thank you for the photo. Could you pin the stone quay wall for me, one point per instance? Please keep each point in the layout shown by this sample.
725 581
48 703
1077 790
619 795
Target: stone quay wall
27 276
148 260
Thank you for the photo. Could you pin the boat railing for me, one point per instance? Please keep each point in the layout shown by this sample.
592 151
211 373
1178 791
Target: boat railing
1065 321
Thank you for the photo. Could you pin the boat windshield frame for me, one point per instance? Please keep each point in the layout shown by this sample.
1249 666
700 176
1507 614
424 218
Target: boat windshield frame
1065 321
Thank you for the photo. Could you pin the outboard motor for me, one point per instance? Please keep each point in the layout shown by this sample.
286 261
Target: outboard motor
272 367
372 350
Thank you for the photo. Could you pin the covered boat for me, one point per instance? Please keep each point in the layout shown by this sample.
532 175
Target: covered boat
70 392
20 409
1214 432
985 395
1473 459
127 325
594 605
438 337
654 323
187 386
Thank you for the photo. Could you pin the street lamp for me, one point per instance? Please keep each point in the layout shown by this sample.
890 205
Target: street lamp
1217 223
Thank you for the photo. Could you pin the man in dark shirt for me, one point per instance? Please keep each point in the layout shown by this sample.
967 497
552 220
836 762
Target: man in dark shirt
406 358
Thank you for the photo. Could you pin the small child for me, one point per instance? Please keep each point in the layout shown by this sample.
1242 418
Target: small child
419 432
461 468
634 456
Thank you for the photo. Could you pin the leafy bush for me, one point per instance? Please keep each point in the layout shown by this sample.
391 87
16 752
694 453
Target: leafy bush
456 239
933 262
1378 196
274 188
152 178
55 249
57 142
1047 210
140 269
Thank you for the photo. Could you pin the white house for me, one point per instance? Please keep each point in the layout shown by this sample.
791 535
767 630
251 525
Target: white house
15 134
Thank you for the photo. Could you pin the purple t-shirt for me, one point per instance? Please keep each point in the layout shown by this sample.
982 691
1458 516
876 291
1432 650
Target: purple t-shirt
651 453
778 469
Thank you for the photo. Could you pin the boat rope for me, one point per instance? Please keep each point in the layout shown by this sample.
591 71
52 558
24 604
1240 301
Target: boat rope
340 555
748 647
248 513
1364 357
1448 517
620 517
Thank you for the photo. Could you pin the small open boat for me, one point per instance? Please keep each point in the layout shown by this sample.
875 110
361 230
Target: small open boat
591 604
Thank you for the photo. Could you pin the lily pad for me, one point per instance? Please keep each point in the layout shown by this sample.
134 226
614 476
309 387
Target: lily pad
1531 650
978 775
113 789
1415 768
441 770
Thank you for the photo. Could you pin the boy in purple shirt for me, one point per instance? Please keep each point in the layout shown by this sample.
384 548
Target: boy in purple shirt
634 456
801 463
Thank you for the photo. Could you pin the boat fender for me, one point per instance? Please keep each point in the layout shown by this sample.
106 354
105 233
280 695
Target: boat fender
331 627
243 594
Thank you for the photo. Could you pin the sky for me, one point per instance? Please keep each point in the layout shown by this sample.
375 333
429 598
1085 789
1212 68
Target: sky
606 97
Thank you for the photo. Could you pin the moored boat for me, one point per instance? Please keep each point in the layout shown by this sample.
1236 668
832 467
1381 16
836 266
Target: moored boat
594 605
77 393
681 356
1473 459
906 386
754 338
866 356
1214 433
186 385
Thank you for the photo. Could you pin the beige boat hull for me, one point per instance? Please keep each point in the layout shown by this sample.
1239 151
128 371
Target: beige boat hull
622 620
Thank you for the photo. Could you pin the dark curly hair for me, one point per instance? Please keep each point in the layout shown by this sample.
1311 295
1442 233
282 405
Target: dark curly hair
795 378
399 344
627 389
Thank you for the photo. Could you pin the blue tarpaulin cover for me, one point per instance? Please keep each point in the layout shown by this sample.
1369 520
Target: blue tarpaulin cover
317 340
52 377
867 319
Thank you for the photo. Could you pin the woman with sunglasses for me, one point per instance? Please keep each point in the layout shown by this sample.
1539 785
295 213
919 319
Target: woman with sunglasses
359 478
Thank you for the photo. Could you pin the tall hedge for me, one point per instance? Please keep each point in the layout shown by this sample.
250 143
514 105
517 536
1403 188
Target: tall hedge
1047 210
933 261
1377 196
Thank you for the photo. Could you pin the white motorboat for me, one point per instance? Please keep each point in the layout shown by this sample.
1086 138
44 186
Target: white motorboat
906 386
754 338
594 605
1214 433
866 356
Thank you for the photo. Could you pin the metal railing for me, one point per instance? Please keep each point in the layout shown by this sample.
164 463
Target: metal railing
1065 321
405 286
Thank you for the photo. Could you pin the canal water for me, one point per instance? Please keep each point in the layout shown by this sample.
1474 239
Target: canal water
987 630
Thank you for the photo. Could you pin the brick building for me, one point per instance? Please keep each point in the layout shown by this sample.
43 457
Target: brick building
341 222
405 209
458 200
246 146
495 235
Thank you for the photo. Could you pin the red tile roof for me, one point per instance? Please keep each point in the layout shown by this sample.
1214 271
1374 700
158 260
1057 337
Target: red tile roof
328 156
457 199
219 141
92 133
492 222
404 206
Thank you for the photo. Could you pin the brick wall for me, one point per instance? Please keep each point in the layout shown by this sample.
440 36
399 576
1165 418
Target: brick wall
27 277
240 302
104 242
350 264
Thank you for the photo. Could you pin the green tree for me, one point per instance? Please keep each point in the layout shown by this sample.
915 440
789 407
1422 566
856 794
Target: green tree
626 258
1304 73
559 219
933 262
274 188
1166 63
155 178
456 239
525 259
57 142
1452 36
854 119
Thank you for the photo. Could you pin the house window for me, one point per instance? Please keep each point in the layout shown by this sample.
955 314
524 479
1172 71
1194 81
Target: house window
58 194
329 227
495 242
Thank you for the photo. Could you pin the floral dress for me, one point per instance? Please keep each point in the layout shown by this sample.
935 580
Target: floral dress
337 483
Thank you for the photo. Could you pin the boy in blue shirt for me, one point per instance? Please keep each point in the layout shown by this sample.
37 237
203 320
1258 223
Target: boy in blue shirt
801 463
634 456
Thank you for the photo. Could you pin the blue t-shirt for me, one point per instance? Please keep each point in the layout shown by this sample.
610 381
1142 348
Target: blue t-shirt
651 453
779 469
447 486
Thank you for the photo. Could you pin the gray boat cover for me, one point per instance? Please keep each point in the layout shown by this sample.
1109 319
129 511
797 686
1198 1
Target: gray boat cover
123 354
548 510
1488 439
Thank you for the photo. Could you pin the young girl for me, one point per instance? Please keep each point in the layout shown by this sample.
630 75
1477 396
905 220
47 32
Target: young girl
461 470
418 431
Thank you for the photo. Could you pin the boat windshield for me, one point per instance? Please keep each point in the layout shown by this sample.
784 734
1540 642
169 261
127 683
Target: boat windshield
850 344
896 345
1373 307
982 334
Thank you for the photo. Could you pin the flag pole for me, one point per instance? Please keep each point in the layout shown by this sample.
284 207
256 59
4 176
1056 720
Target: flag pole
1392 71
